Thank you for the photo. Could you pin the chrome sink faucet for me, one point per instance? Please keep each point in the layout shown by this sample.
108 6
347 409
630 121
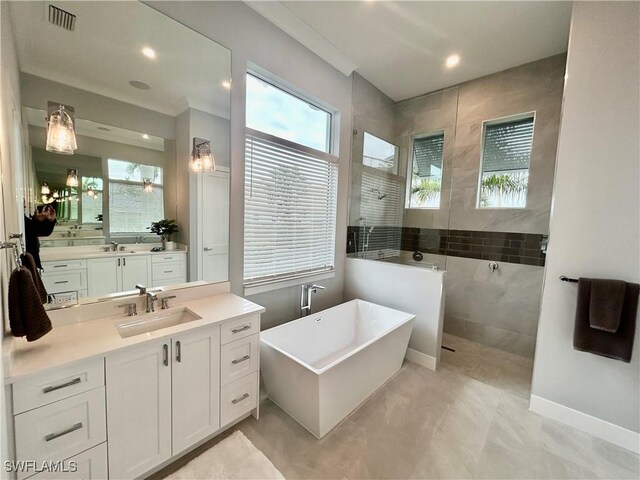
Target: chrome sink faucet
114 246
151 299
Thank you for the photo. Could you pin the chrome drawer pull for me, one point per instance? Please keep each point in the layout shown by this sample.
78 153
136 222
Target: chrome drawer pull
239 399
240 360
61 281
53 388
53 436
241 329
60 266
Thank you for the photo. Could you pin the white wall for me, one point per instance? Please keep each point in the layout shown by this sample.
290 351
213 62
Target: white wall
254 40
595 229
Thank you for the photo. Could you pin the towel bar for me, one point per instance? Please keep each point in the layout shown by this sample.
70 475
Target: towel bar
567 279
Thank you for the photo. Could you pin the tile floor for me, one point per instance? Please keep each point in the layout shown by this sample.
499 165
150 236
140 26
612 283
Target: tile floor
469 419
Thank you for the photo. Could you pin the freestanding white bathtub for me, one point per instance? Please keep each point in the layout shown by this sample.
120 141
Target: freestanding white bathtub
321 367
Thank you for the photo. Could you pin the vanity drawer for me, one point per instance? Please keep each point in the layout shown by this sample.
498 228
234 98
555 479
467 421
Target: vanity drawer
238 398
62 429
63 265
65 281
239 328
169 257
238 359
55 385
169 270
89 465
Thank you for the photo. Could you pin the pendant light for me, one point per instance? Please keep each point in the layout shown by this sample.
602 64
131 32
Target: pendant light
148 185
44 189
201 156
55 194
72 177
91 191
61 136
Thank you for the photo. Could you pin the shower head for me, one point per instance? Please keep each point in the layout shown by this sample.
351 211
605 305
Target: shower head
379 193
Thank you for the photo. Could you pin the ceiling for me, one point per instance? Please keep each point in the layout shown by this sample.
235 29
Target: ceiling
104 53
401 47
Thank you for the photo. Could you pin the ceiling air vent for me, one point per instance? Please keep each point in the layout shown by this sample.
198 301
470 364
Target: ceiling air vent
61 18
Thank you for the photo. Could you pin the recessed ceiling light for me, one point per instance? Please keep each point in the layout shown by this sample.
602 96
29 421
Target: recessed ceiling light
453 60
139 85
226 84
145 136
149 52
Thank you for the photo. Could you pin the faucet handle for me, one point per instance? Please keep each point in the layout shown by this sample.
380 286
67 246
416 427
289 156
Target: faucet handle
132 309
165 301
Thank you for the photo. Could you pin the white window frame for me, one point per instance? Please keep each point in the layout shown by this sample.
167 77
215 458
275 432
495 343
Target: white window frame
267 285
494 121
407 203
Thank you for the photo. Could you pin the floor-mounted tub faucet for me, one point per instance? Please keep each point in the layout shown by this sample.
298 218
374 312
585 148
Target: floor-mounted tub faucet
305 296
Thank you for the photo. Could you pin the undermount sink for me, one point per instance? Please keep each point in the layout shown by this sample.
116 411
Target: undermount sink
150 322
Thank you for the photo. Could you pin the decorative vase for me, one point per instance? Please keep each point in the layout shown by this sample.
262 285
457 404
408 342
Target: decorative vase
169 245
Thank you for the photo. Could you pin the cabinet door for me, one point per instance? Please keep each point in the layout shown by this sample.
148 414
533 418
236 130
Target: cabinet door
139 409
135 270
196 386
103 276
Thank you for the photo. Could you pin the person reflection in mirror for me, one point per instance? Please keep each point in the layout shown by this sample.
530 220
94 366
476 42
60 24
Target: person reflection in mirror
40 224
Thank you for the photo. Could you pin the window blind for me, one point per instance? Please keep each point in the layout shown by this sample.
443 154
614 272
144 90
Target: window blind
427 154
507 146
290 209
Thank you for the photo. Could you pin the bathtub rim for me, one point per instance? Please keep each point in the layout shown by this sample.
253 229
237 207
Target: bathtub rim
318 371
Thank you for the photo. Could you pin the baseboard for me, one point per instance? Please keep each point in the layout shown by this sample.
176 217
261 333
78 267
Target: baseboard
420 358
594 426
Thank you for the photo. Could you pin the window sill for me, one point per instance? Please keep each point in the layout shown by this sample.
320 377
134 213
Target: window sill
286 283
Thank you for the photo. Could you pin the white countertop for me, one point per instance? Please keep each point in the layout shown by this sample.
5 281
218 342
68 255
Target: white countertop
84 340
70 253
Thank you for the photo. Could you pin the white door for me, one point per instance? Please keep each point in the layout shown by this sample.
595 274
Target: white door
135 270
196 386
139 409
215 227
103 276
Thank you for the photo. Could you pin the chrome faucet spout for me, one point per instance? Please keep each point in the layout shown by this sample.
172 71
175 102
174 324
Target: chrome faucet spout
151 299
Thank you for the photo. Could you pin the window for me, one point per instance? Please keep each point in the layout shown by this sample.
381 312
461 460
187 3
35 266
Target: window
290 193
131 208
277 112
91 200
506 152
426 171
379 154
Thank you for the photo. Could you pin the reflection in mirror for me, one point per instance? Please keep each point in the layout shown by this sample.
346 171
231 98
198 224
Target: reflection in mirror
131 100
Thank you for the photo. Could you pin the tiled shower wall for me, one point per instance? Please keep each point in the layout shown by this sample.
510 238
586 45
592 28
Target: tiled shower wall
498 308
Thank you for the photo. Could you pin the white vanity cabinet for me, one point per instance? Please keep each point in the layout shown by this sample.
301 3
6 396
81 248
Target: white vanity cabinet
117 274
60 416
65 276
139 408
162 398
169 268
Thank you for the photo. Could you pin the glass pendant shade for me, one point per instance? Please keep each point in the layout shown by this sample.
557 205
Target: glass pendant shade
201 156
44 189
72 177
91 191
148 185
61 136
55 194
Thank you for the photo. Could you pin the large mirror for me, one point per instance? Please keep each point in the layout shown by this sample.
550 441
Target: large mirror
140 196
